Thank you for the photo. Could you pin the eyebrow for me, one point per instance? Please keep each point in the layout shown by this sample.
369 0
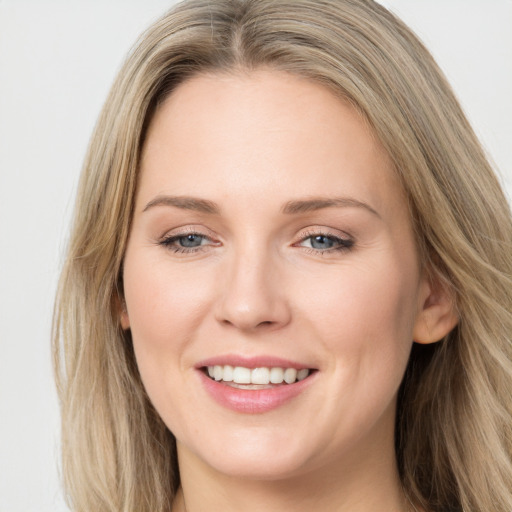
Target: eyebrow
290 208
185 203
319 203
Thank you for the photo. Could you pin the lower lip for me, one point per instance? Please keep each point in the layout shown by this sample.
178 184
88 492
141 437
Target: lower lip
253 401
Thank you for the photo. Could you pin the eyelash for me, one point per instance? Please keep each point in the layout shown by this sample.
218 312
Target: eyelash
170 242
343 244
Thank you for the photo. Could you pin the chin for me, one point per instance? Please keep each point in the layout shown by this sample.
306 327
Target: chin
270 469
254 458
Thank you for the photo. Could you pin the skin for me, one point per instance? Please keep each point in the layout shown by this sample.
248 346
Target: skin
259 284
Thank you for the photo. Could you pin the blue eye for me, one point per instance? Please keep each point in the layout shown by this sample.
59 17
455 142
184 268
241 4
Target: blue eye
188 242
325 243
191 240
321 242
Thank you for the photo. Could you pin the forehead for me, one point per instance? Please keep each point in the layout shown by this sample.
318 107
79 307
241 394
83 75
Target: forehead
238 135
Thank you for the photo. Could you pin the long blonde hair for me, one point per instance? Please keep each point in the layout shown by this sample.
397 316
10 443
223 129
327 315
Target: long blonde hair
454 420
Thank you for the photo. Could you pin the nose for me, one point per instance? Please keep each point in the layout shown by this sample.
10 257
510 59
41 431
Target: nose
252 294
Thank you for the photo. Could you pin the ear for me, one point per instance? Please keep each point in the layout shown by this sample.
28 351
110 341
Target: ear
121 311
437 315
124 318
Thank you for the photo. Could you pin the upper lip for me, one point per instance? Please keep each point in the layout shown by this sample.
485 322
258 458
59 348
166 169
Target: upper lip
263 361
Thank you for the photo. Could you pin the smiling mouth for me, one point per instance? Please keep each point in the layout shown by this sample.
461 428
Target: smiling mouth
255 378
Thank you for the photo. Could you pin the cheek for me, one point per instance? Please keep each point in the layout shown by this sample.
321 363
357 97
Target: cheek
165 307
364 323
365 316
162 301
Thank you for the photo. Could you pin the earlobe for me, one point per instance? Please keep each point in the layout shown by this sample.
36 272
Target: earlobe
122 312
438 315
124 319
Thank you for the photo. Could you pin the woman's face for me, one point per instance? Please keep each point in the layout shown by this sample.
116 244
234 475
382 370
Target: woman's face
270 235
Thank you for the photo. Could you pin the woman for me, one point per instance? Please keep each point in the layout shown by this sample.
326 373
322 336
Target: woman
279 198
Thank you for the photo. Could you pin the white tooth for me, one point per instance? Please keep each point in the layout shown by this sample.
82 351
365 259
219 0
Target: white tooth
302 374
210 371
290 375
217 372
276 375
260 376
228 373
241 375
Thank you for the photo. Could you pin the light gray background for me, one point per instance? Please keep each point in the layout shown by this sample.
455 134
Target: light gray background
57 61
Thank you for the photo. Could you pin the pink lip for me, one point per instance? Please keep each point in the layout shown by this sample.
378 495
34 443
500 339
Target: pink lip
252 401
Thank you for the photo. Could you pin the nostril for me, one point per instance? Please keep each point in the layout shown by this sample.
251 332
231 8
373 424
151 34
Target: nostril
265 323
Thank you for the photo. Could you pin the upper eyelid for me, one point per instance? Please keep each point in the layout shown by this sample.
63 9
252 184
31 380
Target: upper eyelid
187 230
315 231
